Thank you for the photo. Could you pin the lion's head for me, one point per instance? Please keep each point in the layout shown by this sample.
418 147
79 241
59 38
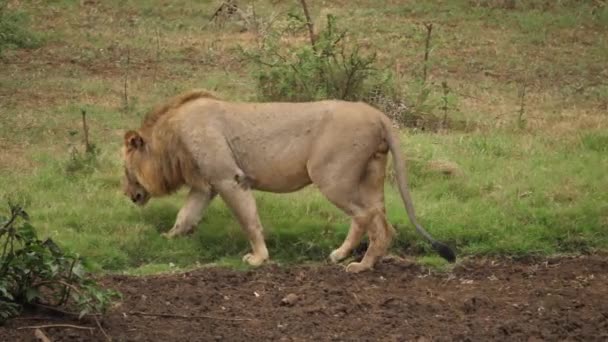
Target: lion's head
134 157
155 161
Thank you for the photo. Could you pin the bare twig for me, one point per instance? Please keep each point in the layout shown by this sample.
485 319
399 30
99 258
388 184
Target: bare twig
228 7
69 313
357 301
102 330
138 313
157 45
14 215
6 258
85 128
126 78
427 48
157 54
71 326
446 91
522 106
311 29
255 19
41 336
35 318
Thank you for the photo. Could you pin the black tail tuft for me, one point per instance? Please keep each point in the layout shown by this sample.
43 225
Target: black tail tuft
446 252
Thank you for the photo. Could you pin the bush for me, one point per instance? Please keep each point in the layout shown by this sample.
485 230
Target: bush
328 69
13 30
333 68
40 272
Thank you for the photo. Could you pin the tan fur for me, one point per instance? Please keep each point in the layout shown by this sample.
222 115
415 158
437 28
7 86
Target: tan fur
231 148
175 166
170 105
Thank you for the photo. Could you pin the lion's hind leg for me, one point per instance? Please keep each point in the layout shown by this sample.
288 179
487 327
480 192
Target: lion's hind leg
355 183
379 230
371 191
355 233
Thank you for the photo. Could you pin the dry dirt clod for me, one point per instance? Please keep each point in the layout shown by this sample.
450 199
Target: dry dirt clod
445 167
290 299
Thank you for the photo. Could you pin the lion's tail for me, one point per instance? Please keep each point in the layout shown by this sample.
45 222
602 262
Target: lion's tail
399 164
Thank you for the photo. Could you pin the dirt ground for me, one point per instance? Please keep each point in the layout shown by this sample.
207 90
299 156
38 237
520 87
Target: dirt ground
480 300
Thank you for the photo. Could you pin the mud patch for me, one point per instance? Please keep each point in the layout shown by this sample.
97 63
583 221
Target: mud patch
481 300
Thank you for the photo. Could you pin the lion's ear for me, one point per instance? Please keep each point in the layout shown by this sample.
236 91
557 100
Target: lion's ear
133 140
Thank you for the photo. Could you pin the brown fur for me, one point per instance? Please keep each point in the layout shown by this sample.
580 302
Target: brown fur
231 148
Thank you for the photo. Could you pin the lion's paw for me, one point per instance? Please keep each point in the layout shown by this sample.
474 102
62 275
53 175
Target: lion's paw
178 231
336 256
356 267
254 260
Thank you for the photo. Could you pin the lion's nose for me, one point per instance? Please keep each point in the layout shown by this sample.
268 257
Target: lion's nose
136 198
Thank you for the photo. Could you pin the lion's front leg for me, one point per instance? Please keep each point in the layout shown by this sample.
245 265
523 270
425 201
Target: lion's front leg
191 213
242 203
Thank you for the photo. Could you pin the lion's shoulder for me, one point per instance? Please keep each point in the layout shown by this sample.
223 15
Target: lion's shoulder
173 103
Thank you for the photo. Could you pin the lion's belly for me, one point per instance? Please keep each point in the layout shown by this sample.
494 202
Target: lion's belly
275 159
288 184
278 173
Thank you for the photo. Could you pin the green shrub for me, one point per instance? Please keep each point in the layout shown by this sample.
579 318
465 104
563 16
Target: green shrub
13 29
40 272
329 69
335 68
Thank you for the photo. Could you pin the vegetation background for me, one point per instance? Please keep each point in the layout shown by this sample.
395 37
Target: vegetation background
504 121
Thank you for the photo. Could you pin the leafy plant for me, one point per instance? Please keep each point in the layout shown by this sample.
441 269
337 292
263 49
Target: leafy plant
331 67
13 29
82 162
40 272
327 68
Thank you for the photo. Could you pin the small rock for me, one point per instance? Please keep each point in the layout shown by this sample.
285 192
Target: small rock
290 299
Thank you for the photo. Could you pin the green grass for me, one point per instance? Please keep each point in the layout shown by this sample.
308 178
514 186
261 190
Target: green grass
534 190
516 195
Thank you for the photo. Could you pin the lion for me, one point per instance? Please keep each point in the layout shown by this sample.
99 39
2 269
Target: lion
213 146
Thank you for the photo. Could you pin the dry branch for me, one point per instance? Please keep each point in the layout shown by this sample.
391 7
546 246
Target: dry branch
85 128
126 94
139 313
311 29
70 326
522 106
427 48
102 330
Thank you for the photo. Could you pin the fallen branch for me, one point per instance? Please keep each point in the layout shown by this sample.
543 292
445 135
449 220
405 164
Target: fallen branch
139 313
31 318
57 310
102 330
71 326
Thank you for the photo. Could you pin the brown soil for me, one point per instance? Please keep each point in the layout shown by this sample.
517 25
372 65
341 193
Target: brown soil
481 300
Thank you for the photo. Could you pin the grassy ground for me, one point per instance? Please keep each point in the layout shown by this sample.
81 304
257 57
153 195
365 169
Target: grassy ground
524 185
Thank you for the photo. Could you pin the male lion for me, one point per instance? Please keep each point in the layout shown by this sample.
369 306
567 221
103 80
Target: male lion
231 148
